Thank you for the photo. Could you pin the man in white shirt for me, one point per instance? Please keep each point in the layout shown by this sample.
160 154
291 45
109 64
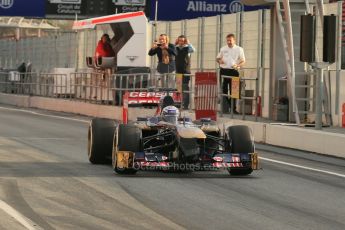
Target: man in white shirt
231 59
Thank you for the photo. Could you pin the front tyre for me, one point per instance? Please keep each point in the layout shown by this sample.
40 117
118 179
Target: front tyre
241 141
100 140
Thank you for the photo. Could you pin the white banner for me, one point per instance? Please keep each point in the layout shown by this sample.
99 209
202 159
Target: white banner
65 1
129 2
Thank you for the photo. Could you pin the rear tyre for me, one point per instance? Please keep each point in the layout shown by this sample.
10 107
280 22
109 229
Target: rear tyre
240 141
127 138
100 140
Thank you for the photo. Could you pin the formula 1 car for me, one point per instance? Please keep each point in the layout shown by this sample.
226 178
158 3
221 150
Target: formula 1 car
171 142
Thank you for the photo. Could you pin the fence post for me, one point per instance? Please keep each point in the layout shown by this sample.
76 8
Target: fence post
259 63
339 54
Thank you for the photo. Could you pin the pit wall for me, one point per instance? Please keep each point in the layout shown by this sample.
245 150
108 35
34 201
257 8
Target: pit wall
289 137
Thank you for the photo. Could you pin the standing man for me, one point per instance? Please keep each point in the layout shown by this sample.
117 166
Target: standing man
166 53
184 50
231 59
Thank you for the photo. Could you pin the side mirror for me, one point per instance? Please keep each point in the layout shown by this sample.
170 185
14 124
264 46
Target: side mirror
203 120
153 120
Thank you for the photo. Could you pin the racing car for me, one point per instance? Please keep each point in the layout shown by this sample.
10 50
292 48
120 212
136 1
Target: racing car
169 141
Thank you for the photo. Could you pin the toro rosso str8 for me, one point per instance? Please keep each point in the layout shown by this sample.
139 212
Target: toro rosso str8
171 142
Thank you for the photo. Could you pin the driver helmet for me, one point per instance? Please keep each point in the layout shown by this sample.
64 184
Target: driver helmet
170 114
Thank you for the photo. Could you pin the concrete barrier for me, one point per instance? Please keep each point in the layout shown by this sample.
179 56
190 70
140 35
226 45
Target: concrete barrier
305 139
69 106
284 136
16 100
88 109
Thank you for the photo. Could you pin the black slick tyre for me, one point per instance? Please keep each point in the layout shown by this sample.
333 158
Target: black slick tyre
100 140
241 141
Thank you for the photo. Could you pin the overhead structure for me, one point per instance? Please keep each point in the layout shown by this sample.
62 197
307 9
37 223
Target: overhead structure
12 26
130 40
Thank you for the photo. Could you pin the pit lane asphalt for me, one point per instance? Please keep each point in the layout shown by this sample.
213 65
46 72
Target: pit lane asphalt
45 176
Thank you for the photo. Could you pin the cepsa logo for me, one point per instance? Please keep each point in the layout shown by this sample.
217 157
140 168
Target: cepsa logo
147 94
147 97
6 4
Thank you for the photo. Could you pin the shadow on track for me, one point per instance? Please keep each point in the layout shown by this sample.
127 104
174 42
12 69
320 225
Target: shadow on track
80 169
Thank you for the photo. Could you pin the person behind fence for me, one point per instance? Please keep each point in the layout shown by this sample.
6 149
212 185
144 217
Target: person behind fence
230 58
184 50
166 53
104 48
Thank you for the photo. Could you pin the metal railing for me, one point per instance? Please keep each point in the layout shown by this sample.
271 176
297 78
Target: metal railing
243 97
18 83
93 87
140 82
106 88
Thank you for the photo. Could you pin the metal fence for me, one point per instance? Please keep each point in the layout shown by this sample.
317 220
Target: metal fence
105 88
248 102
58 49
19 83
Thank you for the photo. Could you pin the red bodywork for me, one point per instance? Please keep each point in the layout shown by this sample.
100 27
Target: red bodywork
137 98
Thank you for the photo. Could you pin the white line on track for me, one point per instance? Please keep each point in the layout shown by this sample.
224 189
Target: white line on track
28 224
44 115
303 167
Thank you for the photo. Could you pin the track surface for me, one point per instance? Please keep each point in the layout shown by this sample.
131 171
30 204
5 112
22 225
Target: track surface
46 182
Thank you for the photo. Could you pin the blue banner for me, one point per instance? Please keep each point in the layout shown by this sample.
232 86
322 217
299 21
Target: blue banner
170 10
23 8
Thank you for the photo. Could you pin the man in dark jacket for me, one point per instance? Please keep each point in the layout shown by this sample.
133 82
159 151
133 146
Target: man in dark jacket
184 50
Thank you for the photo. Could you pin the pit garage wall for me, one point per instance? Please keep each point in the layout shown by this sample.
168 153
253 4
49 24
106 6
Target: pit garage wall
206 34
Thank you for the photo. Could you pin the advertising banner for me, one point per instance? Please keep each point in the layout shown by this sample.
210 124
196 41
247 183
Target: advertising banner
70 9
23 8
130 2
125 6
169 10
65 9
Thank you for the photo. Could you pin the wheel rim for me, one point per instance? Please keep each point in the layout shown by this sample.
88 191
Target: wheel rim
114 149
90 141
114 159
